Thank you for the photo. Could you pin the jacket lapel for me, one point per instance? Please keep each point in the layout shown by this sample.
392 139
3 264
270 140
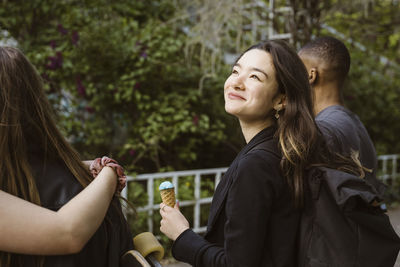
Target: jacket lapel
226 181
220 195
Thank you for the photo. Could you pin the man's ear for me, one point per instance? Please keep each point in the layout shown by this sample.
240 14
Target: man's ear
312 75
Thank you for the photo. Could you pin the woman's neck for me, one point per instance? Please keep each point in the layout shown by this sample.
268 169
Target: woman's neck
251 129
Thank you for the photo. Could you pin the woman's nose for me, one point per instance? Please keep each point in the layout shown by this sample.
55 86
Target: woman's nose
238 83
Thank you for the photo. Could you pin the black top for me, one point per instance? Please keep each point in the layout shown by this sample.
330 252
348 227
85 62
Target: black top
252 219
56 186
344 132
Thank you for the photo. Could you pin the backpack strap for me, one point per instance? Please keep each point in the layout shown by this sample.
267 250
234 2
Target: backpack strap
314 179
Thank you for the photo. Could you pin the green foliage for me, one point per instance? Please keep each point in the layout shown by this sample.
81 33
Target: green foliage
117 75
374 23
373 92
128 79
373 88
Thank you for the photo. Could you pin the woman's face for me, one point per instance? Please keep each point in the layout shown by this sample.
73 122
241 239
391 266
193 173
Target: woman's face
251 91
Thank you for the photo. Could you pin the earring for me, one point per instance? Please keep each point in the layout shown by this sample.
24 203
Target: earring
277 113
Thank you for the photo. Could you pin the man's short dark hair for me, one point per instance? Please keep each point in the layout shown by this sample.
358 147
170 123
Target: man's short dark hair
333 52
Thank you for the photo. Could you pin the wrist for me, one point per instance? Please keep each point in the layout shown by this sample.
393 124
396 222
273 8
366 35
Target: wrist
181 230
110 174
100 164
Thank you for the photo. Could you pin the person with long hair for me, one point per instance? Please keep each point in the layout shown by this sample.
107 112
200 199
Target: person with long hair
254 215
40 166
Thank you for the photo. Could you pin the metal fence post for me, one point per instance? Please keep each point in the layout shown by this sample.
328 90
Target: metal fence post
150 192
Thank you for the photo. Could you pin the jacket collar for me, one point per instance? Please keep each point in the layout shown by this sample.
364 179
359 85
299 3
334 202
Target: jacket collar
262 136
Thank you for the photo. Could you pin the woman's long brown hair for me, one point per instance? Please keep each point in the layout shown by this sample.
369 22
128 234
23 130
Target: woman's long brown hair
300 140
26 116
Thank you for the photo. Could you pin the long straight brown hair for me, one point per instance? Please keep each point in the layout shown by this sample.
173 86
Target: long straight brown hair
300 140
26 116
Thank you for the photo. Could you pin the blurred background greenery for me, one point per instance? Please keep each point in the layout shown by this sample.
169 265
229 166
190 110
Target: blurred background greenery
142 81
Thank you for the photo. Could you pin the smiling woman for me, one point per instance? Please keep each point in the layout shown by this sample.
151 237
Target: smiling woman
254 215
251 91
253 219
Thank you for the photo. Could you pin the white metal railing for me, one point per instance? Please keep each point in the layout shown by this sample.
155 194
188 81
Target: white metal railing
196 201
389 167
388 170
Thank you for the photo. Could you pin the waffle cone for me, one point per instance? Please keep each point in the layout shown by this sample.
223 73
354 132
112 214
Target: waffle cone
168 197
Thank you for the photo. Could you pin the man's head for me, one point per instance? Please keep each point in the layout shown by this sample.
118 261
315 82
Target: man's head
327 61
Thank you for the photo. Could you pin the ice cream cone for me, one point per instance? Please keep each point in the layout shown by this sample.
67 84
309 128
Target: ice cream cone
167 193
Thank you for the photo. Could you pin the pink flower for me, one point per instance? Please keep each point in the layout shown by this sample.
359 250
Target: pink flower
53 44
75 38
89 109
80 87
61 29
55 61
45 76
195 120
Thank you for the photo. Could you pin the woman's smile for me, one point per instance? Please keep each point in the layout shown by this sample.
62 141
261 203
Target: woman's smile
234 96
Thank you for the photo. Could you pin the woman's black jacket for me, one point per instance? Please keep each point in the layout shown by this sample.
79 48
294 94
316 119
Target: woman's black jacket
252 219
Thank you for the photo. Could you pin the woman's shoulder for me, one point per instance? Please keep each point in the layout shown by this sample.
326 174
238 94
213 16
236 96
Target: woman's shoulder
260 162
266 151
259 171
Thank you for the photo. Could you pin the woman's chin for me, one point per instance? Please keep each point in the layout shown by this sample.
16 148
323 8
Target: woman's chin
231 111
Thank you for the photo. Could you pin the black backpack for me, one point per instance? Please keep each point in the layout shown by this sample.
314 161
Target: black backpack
340 227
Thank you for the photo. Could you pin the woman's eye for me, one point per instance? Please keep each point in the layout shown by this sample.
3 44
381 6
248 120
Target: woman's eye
234 72
255 77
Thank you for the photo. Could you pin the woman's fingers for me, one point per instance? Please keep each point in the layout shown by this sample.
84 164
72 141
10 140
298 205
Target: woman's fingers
163 222
105 160
95 167
162 205
164 209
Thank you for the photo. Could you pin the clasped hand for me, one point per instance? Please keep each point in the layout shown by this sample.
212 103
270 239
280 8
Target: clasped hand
97 165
